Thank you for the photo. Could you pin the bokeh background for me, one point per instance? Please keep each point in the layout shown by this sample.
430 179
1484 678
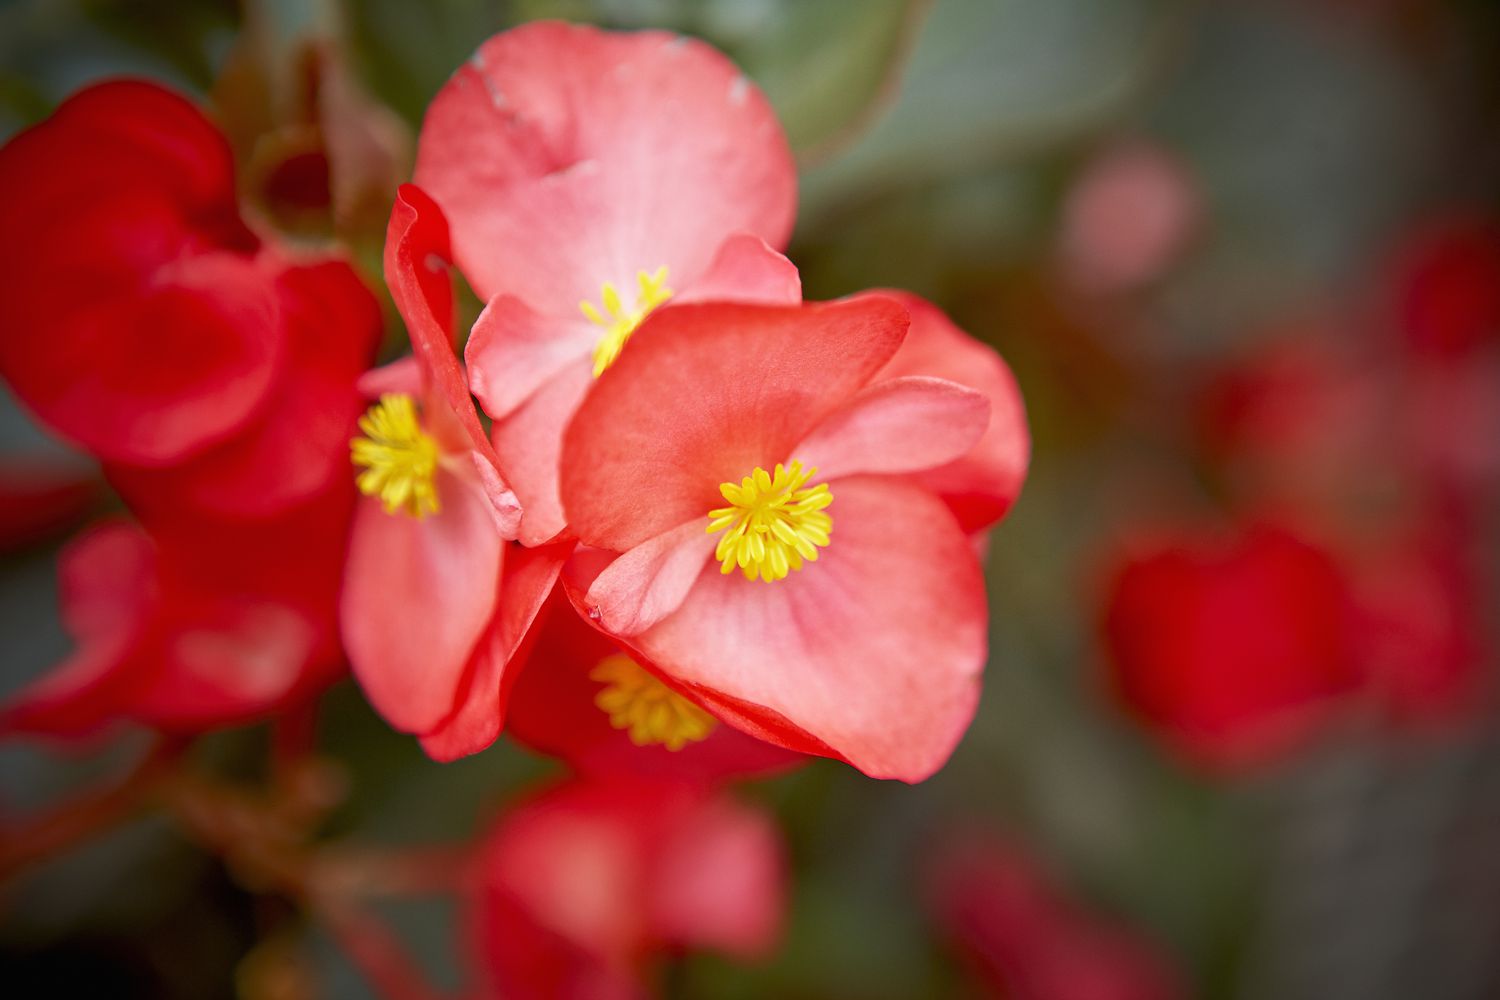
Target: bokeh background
1242 258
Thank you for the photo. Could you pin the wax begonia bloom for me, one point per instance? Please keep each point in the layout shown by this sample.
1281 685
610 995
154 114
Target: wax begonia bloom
1232 650
589 177
980 486
579 891
208 369
436 602
862 640
584 699
121 231
1026 938
297 447
192 627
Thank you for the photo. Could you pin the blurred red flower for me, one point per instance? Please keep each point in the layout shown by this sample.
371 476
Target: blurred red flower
1026 939
191 626
590 176
154 329
777 412
581 890
1447 281
1230 647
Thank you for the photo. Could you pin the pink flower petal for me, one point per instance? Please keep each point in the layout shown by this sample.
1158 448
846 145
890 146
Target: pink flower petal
567 157
874 650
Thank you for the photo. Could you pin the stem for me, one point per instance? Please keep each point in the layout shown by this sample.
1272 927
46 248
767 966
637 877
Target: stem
41 837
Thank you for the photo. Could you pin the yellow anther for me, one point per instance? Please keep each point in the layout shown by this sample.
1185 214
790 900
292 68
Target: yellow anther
399 458
772 524
618 322
651 712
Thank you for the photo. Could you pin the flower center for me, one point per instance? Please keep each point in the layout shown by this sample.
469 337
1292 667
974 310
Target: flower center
650 711
618 322
399 458
772 524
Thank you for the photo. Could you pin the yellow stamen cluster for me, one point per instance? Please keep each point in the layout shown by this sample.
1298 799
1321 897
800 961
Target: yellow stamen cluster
651 712
618 322
773 523
399 458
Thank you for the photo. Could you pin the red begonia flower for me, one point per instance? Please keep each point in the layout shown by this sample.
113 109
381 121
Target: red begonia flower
1447 282
140 323
1418 628
297 446
210 372
436 602
866 645
584 699
981 486
580 889
193 627
588 177
1231 649
1025 938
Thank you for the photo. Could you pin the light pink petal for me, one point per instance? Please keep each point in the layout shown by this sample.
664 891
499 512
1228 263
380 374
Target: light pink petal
513 351
526 579
418 594
746 269
650 581
402 375
896 426
529 443
875 650
567 156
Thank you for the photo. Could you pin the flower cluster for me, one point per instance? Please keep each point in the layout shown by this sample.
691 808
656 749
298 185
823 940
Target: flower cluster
669 522
708 526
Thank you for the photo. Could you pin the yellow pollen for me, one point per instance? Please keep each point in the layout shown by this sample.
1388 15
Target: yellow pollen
651 712
772 524
399 458
618 322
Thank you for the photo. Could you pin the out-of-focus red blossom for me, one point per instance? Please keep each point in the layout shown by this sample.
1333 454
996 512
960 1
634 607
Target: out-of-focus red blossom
1418 629
576 165
579 891
1447 281
818 659
1231 647
1026 939
193 627
1127 218
554 709
151 327
42 497
1303 424
437 604
298 449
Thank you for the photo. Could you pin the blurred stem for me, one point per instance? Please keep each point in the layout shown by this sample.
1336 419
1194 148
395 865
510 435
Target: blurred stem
63 827
264 838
